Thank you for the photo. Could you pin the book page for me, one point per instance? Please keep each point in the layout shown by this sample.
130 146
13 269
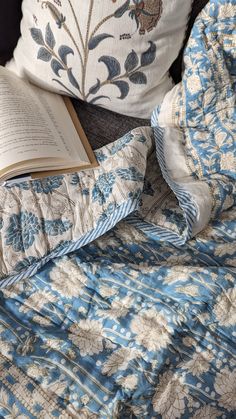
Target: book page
28 124
59 116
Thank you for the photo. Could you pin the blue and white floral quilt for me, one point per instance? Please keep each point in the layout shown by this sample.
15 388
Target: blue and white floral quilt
118 295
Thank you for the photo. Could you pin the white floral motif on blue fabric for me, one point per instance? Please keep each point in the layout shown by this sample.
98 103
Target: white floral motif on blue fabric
127 326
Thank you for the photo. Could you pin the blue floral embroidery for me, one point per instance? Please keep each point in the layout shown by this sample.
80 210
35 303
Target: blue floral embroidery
55 227
22 230
47 185
103 187
130 173
121 143
100 156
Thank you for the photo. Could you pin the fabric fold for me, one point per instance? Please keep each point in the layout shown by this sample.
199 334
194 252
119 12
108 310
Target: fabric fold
195 127
46 218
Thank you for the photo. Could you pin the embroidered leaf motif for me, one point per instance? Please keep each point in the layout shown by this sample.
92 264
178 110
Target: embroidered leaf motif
94 89
94 100
56 67
124 88
95 41
63 51
56 14
130 174
44 54
37 36
72 79
149 56
138 78
113 66
49 37
131 61
119 12
55 227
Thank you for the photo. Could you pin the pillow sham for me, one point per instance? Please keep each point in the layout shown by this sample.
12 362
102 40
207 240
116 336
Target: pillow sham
114 53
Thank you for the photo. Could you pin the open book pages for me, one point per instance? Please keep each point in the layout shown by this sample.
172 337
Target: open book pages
39 131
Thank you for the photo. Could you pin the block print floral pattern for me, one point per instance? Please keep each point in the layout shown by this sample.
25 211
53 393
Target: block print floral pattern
198 119
42 223
110 331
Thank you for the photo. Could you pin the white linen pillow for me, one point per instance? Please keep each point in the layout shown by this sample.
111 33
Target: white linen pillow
114 53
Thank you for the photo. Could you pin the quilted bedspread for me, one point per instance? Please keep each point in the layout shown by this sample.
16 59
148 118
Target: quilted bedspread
131 313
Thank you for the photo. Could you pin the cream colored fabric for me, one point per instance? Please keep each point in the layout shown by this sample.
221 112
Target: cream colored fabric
113 53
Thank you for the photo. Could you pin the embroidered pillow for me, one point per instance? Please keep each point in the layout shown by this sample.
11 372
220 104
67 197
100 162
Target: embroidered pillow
113 53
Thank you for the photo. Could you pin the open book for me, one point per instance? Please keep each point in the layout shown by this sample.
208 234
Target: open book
40 133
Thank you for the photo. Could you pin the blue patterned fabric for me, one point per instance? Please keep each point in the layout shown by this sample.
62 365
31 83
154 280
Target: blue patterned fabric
128 327
118 312
195 128
46 218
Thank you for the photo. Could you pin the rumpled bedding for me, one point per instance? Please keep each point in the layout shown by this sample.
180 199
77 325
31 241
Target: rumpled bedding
132 314
125 327
45 218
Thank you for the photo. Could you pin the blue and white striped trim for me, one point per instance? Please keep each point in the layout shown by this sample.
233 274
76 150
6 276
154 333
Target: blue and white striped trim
119 213
154 230
184 198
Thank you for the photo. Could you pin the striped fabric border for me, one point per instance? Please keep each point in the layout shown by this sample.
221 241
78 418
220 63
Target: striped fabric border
121 212
184 198
156 231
